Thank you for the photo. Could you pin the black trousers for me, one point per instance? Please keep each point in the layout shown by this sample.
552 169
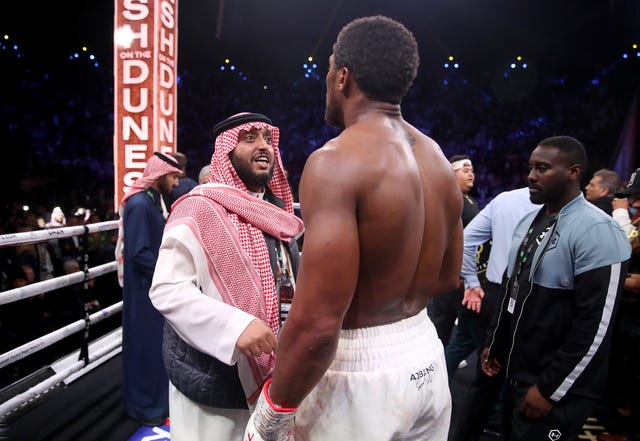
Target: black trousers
563 422
443 311
477 407
623 386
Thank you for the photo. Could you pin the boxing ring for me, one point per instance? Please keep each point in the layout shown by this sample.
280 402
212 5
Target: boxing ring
90 375
89 354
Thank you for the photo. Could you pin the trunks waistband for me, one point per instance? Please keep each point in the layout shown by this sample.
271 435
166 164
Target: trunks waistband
388 345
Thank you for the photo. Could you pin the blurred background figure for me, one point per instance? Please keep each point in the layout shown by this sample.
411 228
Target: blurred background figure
443 310
57 219
601 188
203 176
185 184
622 399
145 384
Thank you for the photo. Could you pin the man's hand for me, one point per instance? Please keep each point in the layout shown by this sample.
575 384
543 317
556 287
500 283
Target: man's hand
490 366
473 298
632 283
535 406
620 203
256 339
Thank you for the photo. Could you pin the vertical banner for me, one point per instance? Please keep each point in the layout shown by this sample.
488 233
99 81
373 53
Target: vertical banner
145 92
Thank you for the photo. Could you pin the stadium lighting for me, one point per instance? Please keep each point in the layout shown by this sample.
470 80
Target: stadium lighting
123 37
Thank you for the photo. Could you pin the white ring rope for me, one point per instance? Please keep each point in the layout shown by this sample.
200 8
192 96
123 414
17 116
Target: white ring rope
47 340
54 233
33 289
19 401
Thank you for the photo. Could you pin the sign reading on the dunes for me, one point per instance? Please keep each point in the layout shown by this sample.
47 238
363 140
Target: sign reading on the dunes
145 93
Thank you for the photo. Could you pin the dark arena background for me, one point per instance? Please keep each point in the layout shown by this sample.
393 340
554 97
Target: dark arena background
496 76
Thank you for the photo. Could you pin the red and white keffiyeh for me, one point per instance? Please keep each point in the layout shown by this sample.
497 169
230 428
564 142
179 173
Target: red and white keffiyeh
219 215
156 168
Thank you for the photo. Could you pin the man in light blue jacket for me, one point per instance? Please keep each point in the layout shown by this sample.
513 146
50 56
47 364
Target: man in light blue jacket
565 272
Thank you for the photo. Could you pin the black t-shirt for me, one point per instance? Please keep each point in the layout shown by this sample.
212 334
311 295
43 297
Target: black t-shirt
469 210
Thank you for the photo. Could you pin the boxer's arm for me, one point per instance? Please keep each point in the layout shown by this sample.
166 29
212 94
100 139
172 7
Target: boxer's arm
326 279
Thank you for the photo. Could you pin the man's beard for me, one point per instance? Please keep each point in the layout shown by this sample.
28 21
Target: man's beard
250 178
165 187
332 116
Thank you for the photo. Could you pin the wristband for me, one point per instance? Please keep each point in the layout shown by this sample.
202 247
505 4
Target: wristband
270 422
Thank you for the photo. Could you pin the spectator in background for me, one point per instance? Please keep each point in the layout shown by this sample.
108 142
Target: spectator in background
623 388
443 310
145 381
66 304
186 183
74 247
44 252
57 219
626 206
601 188
203 176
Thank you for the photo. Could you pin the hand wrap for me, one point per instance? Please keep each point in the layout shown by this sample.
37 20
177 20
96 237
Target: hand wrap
270 422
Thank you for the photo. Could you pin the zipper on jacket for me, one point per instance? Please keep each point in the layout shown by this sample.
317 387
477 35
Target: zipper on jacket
533 273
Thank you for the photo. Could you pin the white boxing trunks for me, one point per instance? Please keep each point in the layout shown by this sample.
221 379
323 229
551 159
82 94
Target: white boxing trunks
386 383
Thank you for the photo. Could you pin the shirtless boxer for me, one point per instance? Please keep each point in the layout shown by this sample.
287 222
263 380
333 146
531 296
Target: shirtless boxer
382 208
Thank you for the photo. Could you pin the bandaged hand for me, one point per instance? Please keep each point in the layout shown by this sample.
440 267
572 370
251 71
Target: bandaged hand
270 422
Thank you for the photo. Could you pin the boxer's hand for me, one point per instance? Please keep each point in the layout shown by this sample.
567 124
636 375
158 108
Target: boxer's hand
256 339
269 422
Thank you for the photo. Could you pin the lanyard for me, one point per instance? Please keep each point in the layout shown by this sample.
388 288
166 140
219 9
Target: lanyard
524 253
285 284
